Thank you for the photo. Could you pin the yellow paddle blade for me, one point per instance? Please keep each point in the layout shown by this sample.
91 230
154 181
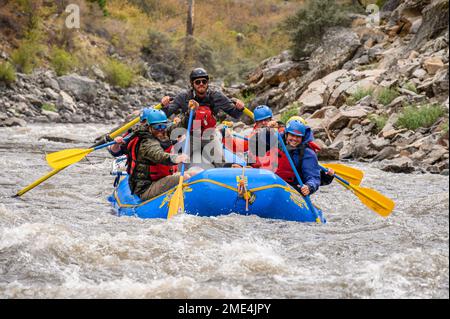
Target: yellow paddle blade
373 199
176 204
352 175
65 158
249 113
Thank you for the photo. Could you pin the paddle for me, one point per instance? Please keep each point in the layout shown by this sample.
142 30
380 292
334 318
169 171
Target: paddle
55 171
68 157
176 203
369 197
353 175
307 199
249 113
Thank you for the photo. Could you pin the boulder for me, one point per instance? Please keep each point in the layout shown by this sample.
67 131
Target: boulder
388 152
313 98
327 153
398 165
81 87
281 72
52 116
433 65
435 21
13 121
436 154
65 101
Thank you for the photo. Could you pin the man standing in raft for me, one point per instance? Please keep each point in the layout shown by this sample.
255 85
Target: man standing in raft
208 103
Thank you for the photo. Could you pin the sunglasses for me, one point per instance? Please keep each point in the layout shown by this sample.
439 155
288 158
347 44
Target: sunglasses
198 82
159 127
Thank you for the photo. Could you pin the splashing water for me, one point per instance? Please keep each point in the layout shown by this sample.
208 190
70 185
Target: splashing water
61 240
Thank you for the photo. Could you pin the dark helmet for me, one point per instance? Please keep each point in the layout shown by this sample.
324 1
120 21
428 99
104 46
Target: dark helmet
198 73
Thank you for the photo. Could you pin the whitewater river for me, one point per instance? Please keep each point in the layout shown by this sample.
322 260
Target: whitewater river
61 239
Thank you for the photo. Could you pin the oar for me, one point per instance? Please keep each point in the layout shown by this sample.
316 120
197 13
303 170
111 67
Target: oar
176 203
377 202
352 175
249 113
68 157
307 199
113 135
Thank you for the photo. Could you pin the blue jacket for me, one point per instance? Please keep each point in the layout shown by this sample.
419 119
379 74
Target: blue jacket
307 167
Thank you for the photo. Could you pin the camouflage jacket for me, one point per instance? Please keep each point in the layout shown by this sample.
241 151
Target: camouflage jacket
149 151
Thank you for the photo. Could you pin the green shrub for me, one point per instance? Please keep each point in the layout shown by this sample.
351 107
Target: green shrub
444 128
291 111
414 117
247 97
387 95
102 5
26 57
309 24
62 61
360 93
7 73
118 73
379 121
49 107
410 86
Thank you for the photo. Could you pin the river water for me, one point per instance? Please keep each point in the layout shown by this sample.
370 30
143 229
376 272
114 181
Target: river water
61 239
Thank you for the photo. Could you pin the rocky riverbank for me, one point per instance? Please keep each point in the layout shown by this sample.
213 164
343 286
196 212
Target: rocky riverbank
353 89
42 97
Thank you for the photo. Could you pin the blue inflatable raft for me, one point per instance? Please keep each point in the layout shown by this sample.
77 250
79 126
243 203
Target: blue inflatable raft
216 192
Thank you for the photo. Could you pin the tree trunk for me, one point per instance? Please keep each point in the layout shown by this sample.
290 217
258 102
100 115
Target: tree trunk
189 32
190 19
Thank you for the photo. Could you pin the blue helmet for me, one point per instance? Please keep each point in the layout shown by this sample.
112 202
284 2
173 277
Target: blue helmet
296 128
262 112
153 116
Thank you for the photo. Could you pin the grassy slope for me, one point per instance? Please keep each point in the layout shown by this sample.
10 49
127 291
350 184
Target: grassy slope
219 24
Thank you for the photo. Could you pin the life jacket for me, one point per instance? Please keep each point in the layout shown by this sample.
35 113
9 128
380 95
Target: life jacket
205 116
316 148
154 171
276 161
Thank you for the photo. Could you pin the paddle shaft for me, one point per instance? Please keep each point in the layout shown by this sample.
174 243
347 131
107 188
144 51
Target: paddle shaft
188 137
291 162
57 170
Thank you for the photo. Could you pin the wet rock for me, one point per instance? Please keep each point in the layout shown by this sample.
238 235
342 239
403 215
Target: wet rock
52 116
436 154
327 153
398 165
13 121
388 152
379 143
58 139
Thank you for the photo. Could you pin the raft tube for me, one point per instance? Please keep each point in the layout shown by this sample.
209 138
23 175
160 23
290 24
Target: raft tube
214 192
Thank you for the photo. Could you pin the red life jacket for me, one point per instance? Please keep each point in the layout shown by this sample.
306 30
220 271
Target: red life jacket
155 171
206 117
276 161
